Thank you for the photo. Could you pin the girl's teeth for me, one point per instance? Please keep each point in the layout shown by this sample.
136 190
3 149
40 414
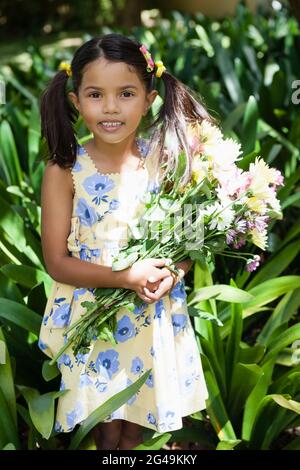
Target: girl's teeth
115 124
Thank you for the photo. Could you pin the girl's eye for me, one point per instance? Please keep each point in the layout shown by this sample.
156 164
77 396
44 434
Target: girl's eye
96 94
128 92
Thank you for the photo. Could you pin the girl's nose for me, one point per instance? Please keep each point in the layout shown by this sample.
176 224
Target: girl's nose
110 105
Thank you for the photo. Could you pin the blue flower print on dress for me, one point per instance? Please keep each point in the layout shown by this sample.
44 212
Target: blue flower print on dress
189 358
78 292
86 213
178 293
179 322
139 310
166 418
101 385
98 186
77 167
61 315
150 380
86 253
75 416
159 309
113 205
85 380
82 291
65 360
151 419
137 366
152 352
58 427
109 361
42 345
81 358
190 381
80 150
125 329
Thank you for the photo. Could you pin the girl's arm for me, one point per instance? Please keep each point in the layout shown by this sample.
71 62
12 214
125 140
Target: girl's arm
57 204
184 266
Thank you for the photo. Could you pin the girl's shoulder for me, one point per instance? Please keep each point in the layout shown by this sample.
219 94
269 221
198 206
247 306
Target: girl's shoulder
56 177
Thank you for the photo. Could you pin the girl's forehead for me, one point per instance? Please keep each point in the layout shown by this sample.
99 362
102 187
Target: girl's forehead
107 74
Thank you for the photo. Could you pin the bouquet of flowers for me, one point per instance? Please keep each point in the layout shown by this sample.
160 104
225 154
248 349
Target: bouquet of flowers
218 211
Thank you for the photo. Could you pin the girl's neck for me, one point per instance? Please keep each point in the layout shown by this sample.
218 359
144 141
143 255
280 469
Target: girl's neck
114 154
111 158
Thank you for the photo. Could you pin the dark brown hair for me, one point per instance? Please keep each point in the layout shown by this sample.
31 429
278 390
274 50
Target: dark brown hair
180 105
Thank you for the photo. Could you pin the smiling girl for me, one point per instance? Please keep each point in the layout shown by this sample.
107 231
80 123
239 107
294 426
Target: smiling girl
90 195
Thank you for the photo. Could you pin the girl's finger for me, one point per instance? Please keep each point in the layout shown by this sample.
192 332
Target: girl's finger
159 262
162 290
145 298
151 295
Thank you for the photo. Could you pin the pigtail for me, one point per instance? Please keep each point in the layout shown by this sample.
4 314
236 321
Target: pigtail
181 106
57 119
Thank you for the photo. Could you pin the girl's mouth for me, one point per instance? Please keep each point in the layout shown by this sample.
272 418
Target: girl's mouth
111 126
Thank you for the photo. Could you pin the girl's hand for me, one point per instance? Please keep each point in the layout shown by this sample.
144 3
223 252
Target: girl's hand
165 286
143 272
155 291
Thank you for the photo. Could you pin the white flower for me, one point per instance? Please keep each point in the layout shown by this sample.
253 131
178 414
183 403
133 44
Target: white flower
262 174
223 154
222 216
259 238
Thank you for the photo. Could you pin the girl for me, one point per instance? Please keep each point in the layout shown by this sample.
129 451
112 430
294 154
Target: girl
90 194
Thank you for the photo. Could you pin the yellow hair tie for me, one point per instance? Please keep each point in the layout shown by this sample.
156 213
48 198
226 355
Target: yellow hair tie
160 68
67 67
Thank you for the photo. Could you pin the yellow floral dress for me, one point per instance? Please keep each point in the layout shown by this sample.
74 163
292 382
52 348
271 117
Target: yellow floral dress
156 336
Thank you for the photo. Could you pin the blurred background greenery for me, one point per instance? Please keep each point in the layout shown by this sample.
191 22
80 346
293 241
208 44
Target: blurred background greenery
242 57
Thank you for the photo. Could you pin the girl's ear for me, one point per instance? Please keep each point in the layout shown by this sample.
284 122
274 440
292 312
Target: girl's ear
73 97
150 98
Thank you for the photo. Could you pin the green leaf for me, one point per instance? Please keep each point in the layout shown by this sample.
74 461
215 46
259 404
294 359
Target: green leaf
268 291
10 161
250 125
228 445
244 379
233 342
255 397
196 311
155 443
215 405
265 428
26 275
283 312
9 446
49 372
41 408
7 380
20 315
8 428
219 292
107 408
13 225
281 341
276 265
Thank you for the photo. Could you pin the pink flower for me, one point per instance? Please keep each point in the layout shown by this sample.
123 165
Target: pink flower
238 244
253 263
279 179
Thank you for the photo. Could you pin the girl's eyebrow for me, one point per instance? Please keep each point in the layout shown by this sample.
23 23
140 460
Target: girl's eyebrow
120 88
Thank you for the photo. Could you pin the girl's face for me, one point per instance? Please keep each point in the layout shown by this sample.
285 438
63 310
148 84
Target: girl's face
110 91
